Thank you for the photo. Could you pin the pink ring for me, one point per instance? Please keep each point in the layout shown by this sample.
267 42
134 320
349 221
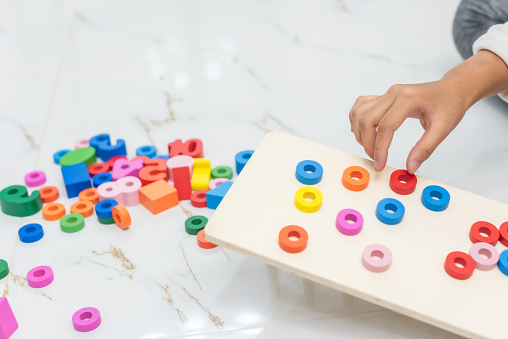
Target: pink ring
216 182
344 226
81 143
40 276
86 319
487 250
35 178
378 251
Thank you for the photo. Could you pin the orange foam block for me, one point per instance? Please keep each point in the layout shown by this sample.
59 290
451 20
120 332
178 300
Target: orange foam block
201 174
158 196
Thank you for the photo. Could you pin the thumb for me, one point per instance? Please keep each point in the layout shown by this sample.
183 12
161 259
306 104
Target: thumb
424 148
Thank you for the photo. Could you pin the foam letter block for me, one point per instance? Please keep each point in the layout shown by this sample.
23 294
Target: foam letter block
8 323
76 179
158 196
154 170
192 147
14 200
125 168
201 174
104 149
182 182
215 196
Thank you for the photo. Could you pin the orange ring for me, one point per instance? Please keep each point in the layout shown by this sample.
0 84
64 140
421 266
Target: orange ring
85 208
49 194
90 194
293 246
202 242
121 216
53 211
355 178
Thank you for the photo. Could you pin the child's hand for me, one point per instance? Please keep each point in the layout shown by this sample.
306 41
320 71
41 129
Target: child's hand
439 106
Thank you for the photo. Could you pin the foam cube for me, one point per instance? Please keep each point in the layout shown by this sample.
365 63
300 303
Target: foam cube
215 196
76 179
8 323
158 196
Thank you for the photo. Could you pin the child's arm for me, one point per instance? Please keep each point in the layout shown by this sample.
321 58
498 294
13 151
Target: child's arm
439 105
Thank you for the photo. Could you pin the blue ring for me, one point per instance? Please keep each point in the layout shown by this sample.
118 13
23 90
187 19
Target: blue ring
390 218
148 151
31 233
57 156
502 264
101 178
241 159
105 212
436 205
302 172
161 156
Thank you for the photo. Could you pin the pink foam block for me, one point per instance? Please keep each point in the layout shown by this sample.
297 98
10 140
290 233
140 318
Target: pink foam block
124 191
123 168
35 178
180 161
8 323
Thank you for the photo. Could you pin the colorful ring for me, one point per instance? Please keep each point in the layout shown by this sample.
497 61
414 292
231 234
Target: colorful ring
147 151
466 268
57 156
308 199
89 194
35 178
49 194
343 222
293 246
202 242
198 198
4 269
103 208
101 178
309 172
222 172
81 143
216 182
40 276
376 258
86 319
195 224
97 168
355 178
241 159
482 227
402 182
481 249
502 264
85 208
72 223
390 211
503 234
30 233
53 211
121 216
106 221
435 198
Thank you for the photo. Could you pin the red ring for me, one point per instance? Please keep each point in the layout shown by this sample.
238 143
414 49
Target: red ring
403 188
98 167
484 227
197 200
202 242
503 233
454 271
289 245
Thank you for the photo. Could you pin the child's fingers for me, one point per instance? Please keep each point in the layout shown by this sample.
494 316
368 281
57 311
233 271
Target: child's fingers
361 106
425 147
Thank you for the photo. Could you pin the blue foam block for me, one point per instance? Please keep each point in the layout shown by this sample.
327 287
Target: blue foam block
76 179
215 196
104 149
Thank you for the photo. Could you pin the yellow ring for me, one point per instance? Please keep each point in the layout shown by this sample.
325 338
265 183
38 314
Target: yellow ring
308 199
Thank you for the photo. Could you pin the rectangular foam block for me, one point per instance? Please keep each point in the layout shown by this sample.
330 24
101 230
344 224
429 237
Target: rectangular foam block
182 181
158 196
201 174
76 179
215 196
8 323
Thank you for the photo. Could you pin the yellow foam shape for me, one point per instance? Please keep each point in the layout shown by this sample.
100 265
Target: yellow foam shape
201 174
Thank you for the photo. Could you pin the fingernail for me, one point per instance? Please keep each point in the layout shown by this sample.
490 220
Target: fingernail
415 165
377 166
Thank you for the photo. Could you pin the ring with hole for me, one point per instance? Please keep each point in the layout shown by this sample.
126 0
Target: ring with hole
49 194
53 211
355 178
198 198
31 233
195 224
482 231
308 199
402 182
4 269
86 319
435 198
241 159
309 172
502 264
121 216
97 168
390 211
376 258
290 245
72 223
459 265
85 208
103 208
90 194
202 242
481 249
40 276
349 222
503 234
35 178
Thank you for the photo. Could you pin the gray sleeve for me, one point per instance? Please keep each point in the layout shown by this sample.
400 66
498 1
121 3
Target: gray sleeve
473 18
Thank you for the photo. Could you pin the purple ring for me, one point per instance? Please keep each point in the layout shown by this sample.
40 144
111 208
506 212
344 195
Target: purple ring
40 276
35 178
343 222
86 319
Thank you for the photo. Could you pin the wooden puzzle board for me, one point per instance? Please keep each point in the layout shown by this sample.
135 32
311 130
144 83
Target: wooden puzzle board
261 202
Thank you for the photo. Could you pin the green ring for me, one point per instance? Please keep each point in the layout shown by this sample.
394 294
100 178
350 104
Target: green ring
195 224
222 172
72 223
106 221
4 269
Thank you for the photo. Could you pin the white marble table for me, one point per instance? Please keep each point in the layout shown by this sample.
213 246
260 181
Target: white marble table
226 72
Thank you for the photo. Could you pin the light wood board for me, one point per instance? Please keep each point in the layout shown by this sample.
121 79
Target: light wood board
261 202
